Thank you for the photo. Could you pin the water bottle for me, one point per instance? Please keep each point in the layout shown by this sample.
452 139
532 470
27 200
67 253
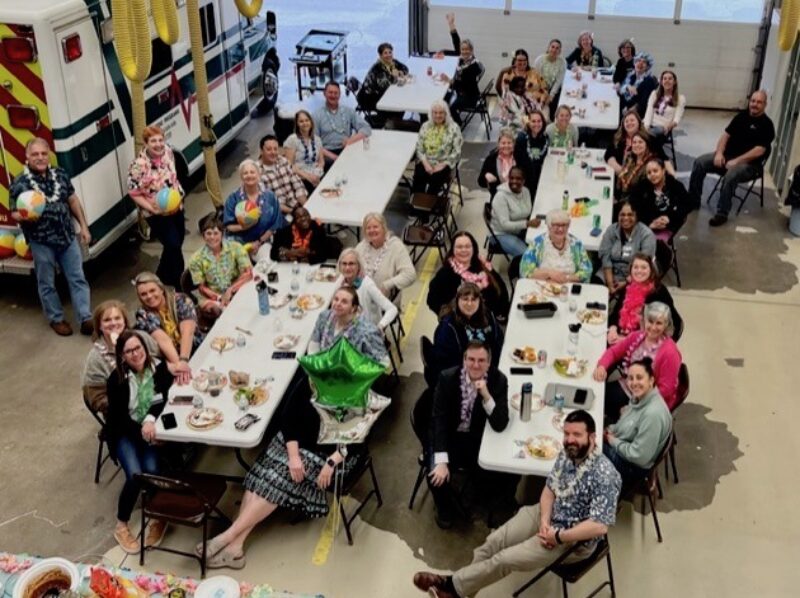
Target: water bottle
526 396
263 298
572 338
565 200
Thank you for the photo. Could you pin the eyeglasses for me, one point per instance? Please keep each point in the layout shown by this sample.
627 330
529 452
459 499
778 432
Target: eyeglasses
133 350
559 225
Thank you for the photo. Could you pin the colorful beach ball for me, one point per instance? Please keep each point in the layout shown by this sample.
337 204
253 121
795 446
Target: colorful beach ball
168 200
22 248
7 239
30 205
247 213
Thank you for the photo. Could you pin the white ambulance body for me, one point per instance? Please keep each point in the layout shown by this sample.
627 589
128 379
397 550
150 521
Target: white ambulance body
60 79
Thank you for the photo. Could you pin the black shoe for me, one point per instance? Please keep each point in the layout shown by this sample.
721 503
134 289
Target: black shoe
87 327
444 518
718 220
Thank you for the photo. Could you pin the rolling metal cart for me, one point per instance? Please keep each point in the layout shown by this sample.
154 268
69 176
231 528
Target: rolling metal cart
321 57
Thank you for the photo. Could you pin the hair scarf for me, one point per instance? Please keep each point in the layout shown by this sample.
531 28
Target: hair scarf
631 313
468 395
481 279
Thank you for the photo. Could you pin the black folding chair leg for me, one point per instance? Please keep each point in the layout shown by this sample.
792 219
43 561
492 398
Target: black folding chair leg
672 461
378 495
417 484
346 523
564 591
611 574
99 463
655 516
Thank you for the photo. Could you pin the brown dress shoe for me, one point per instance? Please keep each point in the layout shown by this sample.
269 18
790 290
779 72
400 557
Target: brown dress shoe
61 328
435 592
425 580
87 327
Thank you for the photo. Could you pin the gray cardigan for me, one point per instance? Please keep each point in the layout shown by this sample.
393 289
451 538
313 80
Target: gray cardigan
511 211
613 255
642 430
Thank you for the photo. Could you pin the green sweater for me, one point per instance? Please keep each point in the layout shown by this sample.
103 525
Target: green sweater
641 432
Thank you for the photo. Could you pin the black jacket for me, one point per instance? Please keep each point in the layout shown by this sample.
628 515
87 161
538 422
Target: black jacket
447 408
119 422
677 207
621 70
450 341
489 167
445 283
648 85
465 82
574 58
529 155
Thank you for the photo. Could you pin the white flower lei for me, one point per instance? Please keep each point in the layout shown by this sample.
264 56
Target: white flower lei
568 490
56 185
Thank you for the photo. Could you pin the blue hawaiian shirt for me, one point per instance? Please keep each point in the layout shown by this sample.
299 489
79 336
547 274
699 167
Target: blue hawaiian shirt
594 495
54 227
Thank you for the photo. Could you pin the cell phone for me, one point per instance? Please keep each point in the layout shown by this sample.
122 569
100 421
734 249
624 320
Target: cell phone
182 400
272 277
596 305
283 355
541 216
576 289
272 290
580 397
168 421
582 199
602 177
518 371
246 421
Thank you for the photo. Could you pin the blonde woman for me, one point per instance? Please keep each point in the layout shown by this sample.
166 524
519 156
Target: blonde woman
438 150
385 257
374 304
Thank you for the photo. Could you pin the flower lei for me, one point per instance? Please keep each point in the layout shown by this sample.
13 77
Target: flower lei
309 149
49 173
565 491
481 279
372 265
468 396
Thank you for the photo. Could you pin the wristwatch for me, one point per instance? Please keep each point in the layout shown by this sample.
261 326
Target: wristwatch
331 462
558 536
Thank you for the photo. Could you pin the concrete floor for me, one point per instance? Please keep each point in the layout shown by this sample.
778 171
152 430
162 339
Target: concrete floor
728 528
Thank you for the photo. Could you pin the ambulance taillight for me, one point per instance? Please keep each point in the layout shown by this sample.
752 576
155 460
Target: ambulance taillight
18 49
71 47
23 117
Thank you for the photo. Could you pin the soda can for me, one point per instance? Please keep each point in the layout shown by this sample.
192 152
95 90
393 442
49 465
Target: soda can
541 360
596 221
606 192
241 341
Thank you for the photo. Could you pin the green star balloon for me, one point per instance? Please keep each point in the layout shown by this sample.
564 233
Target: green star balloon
341 375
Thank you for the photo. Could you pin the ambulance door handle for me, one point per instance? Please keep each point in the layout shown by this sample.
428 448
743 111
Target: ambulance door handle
85 154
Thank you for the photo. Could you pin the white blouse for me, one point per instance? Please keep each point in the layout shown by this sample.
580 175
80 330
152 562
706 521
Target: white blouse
374 304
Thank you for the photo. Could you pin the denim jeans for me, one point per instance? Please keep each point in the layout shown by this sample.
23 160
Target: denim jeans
512 244
170 231
730 180
134 456
70 259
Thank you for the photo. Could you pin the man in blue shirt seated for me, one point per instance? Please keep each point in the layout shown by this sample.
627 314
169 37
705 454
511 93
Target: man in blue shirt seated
577 505
338 126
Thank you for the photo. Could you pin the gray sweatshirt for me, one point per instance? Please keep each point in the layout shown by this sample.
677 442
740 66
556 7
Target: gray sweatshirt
511 211
642 430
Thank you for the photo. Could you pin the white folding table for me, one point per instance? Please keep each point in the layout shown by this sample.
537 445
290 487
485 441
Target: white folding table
601 89
372 176
550 193
255 358
498 449
424 90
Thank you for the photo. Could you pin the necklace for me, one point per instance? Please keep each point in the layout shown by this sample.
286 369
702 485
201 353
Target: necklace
49 174
566 490
374 259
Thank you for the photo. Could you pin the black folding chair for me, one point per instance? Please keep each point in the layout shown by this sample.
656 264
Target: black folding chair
480 109
751 184
682 393
102 440
364 465
492 243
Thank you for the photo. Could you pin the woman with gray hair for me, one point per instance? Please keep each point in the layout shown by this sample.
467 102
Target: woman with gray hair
464 91
438 150
654 340
374 304
385 257
556 256
639 84
254 223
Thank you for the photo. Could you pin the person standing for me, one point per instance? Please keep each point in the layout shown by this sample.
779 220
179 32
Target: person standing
52 237
741 148
577 506
151 171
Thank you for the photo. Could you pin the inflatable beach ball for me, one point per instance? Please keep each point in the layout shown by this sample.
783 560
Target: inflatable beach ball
30 205
22 248
247 213
168 200
7 239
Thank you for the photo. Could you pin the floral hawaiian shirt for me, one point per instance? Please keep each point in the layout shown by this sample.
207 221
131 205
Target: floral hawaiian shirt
219 272
54 227
150 321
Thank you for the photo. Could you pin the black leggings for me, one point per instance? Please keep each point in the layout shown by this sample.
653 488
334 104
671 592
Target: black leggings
430 183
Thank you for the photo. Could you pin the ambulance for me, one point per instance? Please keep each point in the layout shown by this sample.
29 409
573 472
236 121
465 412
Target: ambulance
60 79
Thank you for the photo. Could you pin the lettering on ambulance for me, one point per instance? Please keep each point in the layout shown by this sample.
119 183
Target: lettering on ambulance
25 88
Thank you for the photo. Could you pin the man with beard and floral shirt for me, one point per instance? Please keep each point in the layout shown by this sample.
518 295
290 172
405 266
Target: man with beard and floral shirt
577 505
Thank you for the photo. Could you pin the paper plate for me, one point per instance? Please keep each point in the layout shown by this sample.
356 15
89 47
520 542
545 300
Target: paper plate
219 586
41 568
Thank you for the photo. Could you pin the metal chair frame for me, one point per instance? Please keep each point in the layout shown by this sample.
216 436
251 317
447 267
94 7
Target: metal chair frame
492 243
481 108
759 178
102 441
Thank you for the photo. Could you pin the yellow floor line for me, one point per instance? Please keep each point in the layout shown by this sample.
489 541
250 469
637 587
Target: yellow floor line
333 521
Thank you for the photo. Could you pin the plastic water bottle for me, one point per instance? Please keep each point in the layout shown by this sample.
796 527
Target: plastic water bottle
263 298
294 285
565 200
573 338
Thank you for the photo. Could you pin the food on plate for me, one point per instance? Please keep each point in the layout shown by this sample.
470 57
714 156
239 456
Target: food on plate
284 342
543 447
550 288
255 396
591 316
530 299
308 302
50 583
223 343
524 354
278 301
558 421
200 381
238 379
204 418
326 275
602 104
570 367
330 192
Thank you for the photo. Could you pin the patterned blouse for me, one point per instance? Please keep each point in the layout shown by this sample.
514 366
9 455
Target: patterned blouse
54 227
306 153
150 321
588 491
440 143
149 175
362 334
534 257
219 272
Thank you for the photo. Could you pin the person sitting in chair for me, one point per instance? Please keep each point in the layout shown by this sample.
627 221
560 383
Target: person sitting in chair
466 397
740 150
577 506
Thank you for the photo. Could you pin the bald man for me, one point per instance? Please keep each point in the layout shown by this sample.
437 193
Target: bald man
52 237
740 152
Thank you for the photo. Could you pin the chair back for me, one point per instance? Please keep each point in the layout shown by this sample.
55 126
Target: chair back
95 414
665 258
683 386
652 476
678 332
187 285
426 350
152 484
421 416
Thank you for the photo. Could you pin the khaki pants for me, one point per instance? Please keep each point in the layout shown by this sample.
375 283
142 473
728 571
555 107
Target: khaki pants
512 547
